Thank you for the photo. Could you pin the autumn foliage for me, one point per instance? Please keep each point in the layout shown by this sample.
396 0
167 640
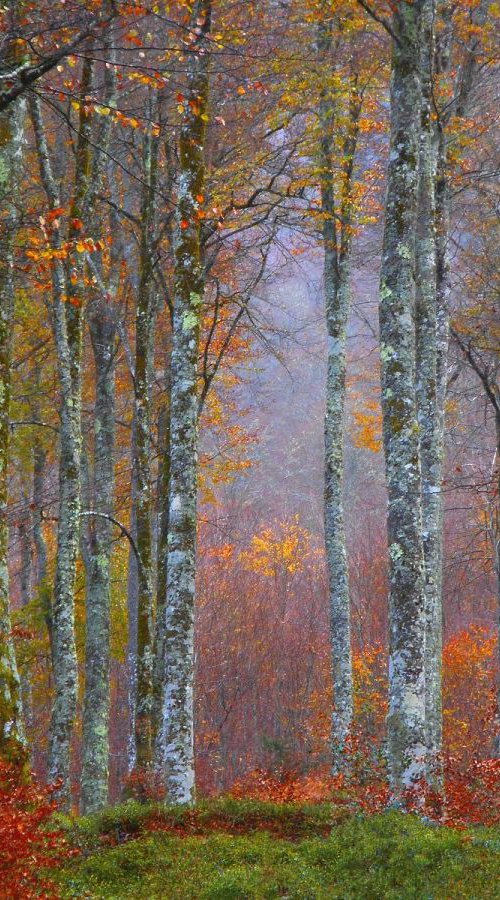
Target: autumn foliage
30 845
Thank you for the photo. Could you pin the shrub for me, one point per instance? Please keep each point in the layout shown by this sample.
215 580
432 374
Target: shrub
30 846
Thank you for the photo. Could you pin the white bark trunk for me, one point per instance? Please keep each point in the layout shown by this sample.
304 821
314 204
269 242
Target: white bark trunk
406 718
175 741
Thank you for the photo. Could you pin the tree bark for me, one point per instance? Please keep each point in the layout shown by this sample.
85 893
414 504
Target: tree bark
406 717
430 403
336 275
177 753
67 322
95 751
97 558
12 737
162 560
144 337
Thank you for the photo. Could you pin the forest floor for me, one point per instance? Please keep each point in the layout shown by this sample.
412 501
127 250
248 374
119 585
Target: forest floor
234 849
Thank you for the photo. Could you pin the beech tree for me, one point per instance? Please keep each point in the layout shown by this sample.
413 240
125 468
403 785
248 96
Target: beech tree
99 494
177 753
406 717
12 740
67 323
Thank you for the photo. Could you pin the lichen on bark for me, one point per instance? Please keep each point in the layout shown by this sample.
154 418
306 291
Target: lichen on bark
337 240
174 745
12 736
67 315
406 716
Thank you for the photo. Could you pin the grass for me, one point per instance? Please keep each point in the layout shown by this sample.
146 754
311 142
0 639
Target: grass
245 849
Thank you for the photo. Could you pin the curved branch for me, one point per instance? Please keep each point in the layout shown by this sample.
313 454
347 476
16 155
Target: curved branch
123 529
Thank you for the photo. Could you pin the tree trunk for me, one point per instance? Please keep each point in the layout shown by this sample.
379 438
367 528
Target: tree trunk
406 717
42 586
430 403
97 558
144 338
67 321
95 751
177 753
337 309
12 738
336 288
162 558
337 242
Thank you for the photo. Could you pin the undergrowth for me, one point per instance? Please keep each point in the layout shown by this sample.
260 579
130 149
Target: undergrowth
231 848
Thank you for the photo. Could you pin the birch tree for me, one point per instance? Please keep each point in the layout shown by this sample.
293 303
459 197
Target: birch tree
175 740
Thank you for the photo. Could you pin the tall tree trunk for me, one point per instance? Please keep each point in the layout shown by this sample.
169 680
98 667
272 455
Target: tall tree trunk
429 402
12 738
177 753
336 288
406 717
67 318
162 560
97 557
433 340
132 597
69 334
144 348
98 586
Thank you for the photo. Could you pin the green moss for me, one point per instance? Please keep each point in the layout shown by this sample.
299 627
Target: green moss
390 855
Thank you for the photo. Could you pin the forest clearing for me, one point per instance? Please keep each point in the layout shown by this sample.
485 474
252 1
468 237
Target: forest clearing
249 449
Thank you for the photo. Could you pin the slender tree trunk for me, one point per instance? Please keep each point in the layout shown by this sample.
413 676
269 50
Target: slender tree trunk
336 288
97 558
12 738
162 559
132 596
67 316
42 586
337 240
337 307
406 717
98 586
145 321
26 553
429 400
177 731
68 531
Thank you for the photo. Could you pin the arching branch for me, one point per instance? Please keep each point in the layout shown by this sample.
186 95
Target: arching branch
123 529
